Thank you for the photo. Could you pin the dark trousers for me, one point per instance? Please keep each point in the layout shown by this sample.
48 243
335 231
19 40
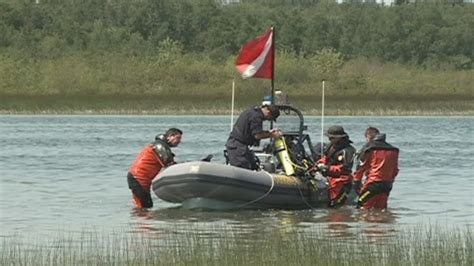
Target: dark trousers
143 196
240 155
375 195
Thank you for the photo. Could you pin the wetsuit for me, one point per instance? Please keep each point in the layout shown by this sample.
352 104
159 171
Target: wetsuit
146 166
338 160
378 160
248 124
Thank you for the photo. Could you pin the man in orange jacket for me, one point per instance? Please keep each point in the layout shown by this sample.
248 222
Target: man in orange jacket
154 157
378 160
336 164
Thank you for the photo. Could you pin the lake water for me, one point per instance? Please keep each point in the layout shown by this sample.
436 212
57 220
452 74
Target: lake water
68 174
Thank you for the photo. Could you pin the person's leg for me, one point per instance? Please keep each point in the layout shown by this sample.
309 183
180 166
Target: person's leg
237 153
374 195
373 201
382 201
252 159
141 197
339 189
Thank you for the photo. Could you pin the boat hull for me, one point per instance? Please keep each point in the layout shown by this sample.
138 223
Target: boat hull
206 185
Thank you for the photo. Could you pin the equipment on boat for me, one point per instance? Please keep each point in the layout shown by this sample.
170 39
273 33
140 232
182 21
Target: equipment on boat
282 152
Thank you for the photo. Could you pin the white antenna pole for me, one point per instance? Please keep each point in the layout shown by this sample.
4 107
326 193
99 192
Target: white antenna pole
232 108
322 121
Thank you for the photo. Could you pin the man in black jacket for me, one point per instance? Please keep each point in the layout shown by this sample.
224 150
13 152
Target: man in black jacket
248 131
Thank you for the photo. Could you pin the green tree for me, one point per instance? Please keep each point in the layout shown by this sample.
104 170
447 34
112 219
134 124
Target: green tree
327 63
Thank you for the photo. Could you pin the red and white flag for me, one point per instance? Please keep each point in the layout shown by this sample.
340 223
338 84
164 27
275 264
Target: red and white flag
256 58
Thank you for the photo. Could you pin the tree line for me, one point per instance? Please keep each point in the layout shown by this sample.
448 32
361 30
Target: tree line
425 34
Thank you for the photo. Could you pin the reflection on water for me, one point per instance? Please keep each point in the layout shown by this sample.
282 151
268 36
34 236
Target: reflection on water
346 223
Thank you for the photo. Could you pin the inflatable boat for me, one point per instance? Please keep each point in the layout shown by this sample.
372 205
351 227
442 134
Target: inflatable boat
282 180
205 185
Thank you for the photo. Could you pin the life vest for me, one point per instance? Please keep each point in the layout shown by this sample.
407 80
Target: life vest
150 161
378 160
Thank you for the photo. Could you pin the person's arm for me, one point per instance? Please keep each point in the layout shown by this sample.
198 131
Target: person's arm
256 129
274 133
322 161
172 161
343 165
395 169
362 168
320 165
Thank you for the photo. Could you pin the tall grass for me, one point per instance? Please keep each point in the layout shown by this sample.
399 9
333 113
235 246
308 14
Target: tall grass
194 84
423 245
212 105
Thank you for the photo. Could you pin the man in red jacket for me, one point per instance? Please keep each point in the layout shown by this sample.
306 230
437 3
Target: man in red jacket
154 157
336 165
378 160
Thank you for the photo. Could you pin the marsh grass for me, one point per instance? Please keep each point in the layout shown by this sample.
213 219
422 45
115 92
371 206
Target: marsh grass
422 245
220 104
194 84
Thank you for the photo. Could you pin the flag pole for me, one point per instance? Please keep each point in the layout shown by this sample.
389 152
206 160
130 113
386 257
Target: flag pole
322 120
273 64
272 101
232 105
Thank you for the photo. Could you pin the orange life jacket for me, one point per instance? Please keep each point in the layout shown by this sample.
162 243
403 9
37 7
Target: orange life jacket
378 160
380 165
146 166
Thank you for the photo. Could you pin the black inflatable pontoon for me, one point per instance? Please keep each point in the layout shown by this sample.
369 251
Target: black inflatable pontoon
218 186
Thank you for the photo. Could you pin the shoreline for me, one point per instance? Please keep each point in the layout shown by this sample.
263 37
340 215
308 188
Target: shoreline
310 105
395 113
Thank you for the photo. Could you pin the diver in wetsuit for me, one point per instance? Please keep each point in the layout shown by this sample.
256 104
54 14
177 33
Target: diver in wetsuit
151 160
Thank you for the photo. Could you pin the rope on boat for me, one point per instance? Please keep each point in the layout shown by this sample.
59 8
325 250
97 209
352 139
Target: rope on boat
264 195
270 190
302 196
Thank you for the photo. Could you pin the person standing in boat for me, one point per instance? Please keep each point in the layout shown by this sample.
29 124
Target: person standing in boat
248 131
154 157
378 160
336 164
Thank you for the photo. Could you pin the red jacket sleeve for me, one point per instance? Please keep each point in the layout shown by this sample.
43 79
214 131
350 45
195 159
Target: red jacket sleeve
323 160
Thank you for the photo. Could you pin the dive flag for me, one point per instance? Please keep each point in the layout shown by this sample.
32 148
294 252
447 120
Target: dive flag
256 58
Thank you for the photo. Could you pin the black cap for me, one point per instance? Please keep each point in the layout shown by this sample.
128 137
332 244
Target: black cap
336 132
274 110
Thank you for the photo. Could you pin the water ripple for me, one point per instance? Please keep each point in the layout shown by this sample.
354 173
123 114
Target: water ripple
71 173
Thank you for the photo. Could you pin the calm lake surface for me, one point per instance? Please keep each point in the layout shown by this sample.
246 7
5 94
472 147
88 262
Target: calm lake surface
68 174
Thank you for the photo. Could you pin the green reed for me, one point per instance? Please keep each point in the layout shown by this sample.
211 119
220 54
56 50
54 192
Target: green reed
422 245
221 104
194 84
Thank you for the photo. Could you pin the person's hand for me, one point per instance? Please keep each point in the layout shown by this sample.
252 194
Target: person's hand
312 170
323 169
275 133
